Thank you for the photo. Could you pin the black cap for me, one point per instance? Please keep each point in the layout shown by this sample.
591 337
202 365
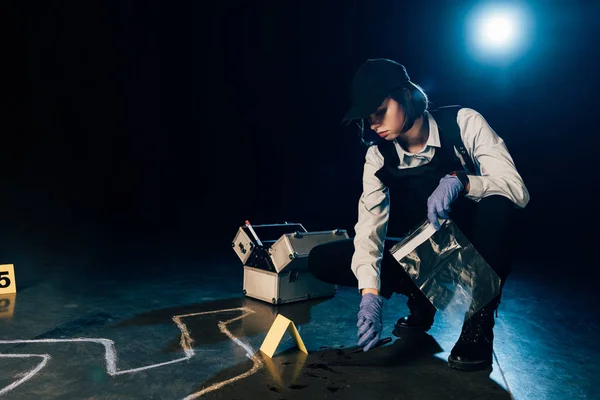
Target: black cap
375 80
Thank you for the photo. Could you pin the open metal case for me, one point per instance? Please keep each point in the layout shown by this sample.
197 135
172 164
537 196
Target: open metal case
275 258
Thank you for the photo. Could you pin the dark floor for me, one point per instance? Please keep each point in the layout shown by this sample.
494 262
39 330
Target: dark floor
82 334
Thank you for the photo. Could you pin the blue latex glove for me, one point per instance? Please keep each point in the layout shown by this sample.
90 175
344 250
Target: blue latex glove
438 204
369 321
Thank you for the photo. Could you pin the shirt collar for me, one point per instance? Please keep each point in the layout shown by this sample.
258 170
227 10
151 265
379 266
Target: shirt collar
434 133
432 141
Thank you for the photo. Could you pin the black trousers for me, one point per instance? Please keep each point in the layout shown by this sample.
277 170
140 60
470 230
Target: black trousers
488 224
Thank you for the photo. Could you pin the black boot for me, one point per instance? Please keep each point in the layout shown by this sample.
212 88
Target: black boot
420 317
474 348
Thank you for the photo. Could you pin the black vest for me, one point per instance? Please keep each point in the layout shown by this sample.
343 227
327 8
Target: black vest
409 188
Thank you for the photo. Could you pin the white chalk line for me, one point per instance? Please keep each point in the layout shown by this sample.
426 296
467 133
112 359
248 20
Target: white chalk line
110 354
30 374
256 362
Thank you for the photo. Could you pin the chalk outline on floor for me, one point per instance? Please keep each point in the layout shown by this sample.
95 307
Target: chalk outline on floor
110 354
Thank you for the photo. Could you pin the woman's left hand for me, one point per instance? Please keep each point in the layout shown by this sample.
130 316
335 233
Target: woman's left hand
438 204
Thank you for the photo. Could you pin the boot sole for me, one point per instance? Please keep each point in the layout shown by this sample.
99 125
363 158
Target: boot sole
469 366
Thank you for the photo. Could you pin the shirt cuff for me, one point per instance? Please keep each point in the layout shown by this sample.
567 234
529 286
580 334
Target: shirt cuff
475 187
369 282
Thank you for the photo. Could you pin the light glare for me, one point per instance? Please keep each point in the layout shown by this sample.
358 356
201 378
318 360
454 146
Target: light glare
497 32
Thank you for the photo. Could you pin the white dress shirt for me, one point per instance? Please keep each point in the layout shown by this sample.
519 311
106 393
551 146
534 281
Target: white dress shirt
495 174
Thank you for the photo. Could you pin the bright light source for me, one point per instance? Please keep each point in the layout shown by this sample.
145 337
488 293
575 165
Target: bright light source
497 31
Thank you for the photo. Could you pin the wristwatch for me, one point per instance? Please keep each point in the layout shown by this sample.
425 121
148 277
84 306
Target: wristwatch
463 178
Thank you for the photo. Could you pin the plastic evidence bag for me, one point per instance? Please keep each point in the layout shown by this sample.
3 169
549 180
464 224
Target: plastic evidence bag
447 268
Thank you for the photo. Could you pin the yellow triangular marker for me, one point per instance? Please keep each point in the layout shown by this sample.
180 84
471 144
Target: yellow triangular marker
276 333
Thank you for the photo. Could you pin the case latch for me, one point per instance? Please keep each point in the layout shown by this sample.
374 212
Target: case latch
293 275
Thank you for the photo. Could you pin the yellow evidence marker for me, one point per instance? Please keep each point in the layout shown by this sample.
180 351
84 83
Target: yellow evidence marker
8 288
7 279
276 333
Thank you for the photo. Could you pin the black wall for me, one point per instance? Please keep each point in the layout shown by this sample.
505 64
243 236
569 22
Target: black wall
147 126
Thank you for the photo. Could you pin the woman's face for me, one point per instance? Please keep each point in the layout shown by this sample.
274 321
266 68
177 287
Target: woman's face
388 120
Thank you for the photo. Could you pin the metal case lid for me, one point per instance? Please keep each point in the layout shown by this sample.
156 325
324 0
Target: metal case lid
299 244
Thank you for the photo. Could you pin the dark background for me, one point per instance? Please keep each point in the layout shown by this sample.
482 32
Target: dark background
150 130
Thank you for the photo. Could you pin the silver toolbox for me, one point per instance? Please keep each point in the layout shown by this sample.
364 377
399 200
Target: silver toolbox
254 251
297 246
276 269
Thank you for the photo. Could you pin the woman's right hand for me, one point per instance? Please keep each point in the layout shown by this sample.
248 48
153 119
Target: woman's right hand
370 321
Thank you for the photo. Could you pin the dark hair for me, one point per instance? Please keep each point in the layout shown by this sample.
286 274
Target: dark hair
414 106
